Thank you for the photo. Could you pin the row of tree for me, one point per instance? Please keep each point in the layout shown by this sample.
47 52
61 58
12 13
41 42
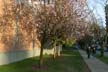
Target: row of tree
51 24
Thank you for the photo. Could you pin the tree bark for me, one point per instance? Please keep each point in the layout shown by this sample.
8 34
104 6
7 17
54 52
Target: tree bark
41 57
57 50
102 49
55 53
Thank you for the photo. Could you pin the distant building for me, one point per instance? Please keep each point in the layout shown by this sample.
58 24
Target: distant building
106 20
106 11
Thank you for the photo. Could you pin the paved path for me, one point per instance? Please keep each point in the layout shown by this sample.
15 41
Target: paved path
94 64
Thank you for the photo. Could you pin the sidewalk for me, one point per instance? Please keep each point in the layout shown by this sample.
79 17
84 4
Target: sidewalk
94 64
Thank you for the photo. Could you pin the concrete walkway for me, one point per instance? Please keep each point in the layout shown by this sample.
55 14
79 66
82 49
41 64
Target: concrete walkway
94 64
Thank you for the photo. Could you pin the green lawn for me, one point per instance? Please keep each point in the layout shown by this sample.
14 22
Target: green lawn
104 59
69 61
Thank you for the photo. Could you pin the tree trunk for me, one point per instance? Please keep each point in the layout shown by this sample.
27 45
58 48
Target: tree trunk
33 46
59 49
33 43
55 53
102 49
41 57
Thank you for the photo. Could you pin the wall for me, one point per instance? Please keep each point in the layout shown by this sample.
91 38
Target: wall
24 42
10 57
1 6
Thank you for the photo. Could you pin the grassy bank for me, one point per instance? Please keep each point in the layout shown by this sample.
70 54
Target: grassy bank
69 61
103 59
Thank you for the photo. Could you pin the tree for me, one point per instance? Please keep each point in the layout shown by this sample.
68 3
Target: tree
63 21
60 22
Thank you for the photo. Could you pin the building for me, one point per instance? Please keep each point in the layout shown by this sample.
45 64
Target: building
17 44
25 47
106 12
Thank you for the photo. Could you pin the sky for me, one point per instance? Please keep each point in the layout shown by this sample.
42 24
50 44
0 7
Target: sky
98 8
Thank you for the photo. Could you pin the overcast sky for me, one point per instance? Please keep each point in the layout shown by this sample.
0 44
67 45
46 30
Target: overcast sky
99 11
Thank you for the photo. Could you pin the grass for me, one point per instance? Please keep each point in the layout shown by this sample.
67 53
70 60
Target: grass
69 61
103 59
